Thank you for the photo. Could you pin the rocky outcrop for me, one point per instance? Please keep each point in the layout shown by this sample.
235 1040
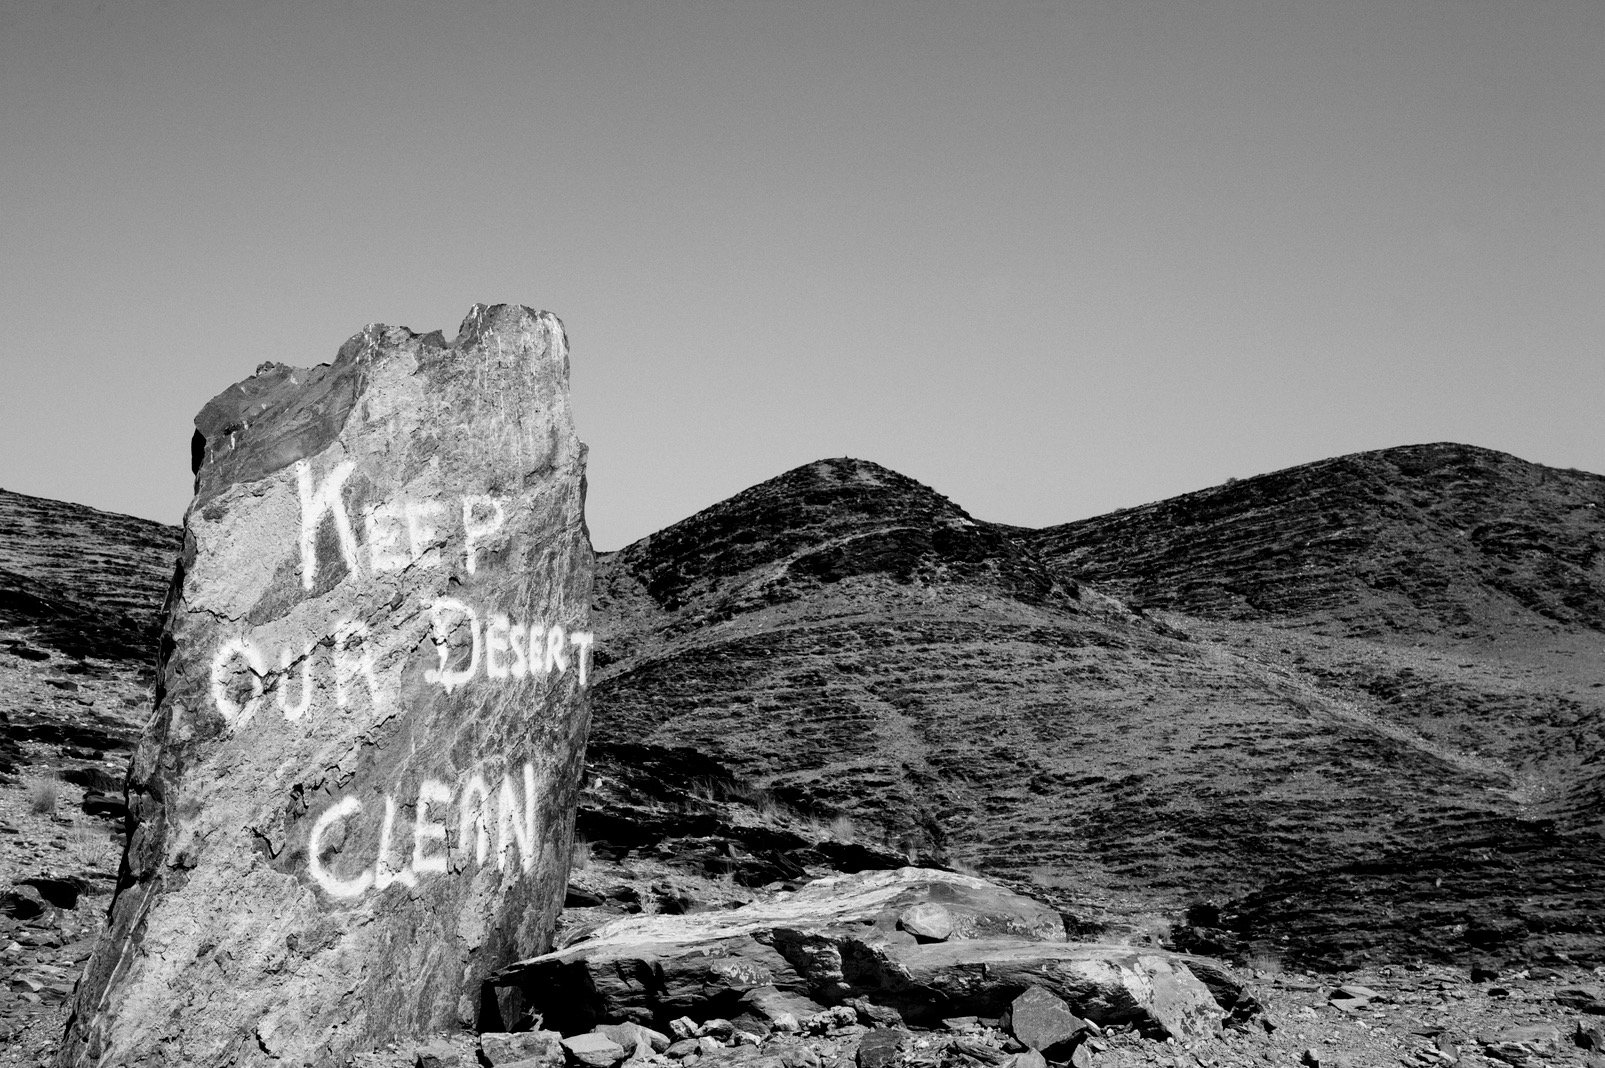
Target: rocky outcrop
355 798
854 940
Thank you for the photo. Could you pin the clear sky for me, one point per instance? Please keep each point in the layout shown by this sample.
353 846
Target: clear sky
1050 258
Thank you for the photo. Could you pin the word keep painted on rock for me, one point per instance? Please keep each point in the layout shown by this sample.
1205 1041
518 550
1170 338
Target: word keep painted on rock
400 534
473 813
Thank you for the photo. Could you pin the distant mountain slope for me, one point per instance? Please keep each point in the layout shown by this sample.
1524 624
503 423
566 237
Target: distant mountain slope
1444 539
82 581
855 643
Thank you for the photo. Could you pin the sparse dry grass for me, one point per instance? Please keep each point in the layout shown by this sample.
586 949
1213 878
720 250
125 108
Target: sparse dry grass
1265 962
44 791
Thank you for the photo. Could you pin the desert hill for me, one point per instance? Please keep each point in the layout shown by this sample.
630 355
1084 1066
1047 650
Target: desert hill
1352 708
83 582
1439 539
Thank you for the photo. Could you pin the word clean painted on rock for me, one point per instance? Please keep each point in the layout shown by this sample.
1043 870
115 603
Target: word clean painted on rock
447 825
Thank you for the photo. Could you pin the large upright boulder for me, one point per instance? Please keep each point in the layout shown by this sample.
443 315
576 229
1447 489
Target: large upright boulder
356 796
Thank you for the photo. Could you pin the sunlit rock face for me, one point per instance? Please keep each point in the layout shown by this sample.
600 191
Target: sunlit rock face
355 798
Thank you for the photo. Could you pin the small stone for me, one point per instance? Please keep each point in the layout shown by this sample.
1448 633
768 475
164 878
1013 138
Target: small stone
1483 973
927 922
1044 1022
1590 1038
830 1019
878 1049
1029 1059
801 1057
717 1028
593 1050
683 1048
1355 991
437 1055
638 1041
873 1015
505 1048
707 1044
1311 1058
785 1023
1540 1038
979 1050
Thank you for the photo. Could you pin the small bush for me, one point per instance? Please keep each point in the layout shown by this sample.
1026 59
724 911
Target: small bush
1265 962
43 793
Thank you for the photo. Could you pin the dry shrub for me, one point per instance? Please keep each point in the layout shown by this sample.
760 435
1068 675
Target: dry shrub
43 793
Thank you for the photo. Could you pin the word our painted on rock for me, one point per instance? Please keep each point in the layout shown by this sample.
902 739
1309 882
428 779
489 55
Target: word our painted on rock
498 649
448 825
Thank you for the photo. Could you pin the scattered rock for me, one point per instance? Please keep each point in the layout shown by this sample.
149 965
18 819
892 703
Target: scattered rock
927 921
878 1049
1577 997
873 1015
593 1050
1523 1046
437 1055
22 902
797 944
1045 1023
521 1048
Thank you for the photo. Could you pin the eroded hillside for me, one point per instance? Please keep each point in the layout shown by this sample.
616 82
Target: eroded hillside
1339 680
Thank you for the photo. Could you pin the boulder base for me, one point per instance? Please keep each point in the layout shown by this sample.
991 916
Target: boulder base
837 940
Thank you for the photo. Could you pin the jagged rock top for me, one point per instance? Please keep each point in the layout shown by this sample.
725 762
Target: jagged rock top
293 412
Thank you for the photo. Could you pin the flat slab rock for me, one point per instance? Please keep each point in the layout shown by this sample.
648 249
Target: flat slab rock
838 939
356 794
